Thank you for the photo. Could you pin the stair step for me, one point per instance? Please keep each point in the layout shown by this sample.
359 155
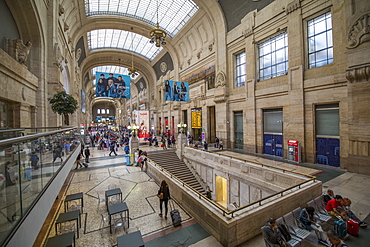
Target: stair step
170 162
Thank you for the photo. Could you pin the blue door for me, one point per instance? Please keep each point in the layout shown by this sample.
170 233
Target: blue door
328 151
273 144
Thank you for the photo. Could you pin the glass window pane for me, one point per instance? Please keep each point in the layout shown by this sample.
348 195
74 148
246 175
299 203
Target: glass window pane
321 56
273 71
328 21
267 72
266 61
310 29
273 122
280 68
280 56
242 70
329 38
311 59
327 122
320 41
280 44
266 49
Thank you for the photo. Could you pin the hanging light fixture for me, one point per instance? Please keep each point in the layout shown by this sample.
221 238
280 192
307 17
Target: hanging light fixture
157 35
132 71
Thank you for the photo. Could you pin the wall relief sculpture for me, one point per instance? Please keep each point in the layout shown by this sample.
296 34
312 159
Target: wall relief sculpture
220 79
359 32
17 49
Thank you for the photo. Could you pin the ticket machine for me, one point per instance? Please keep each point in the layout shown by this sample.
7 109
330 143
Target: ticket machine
294 150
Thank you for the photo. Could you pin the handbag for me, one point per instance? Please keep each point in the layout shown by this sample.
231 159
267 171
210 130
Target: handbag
160 196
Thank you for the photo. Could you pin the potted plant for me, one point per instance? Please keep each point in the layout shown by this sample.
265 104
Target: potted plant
63 104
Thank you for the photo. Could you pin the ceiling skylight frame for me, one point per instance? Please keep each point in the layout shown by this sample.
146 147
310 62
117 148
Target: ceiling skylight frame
173 14
121 70
107 39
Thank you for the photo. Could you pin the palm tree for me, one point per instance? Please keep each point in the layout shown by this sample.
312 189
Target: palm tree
63 104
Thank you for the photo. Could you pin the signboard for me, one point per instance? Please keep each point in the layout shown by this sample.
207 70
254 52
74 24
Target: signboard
196 118
141 119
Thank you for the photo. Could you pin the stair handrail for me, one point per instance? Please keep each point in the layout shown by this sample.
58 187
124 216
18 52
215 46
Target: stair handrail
228 212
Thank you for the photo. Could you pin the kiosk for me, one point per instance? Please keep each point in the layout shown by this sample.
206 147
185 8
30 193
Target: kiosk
294 150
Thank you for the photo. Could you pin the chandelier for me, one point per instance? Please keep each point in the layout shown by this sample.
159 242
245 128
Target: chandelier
132 71
157 35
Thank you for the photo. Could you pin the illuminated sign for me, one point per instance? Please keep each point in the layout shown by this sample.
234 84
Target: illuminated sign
196 118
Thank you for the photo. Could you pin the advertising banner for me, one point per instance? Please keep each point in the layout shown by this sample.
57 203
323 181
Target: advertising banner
141 119
176 91
112 85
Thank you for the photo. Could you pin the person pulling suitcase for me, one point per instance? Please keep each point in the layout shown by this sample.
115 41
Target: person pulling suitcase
164 196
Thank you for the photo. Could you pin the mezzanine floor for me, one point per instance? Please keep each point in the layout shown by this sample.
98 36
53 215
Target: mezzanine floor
139 192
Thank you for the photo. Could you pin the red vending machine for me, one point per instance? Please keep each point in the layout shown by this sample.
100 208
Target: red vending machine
294 150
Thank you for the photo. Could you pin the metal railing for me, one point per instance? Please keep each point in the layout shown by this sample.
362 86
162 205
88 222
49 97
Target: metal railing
259 202
28 164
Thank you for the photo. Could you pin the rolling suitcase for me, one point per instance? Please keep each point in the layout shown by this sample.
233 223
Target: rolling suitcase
340 227
175 215
353 226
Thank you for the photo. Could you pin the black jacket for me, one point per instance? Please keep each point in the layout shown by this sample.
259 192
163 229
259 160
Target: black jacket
166 193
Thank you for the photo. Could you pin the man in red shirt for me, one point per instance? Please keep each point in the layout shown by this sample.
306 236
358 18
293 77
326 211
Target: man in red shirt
332 207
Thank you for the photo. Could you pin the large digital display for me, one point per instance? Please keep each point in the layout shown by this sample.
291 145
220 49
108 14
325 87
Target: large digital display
112 85
196 118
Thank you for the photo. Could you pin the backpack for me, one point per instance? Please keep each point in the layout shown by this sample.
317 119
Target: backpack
34 158
284 231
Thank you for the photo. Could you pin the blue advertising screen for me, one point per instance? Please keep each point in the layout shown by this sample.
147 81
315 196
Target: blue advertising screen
176 91
112 85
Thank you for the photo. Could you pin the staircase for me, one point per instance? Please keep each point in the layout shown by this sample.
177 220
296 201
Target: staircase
169 161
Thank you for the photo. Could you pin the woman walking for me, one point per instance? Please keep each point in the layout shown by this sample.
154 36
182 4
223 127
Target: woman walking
164 196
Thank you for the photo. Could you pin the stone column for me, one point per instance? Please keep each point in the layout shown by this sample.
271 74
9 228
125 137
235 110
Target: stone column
358 120
294 112
134 144
181 142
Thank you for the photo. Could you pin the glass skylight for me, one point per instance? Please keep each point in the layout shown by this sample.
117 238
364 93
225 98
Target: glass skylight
125 40
110 69
172 14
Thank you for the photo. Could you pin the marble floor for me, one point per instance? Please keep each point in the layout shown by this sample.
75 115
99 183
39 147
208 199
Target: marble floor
139 192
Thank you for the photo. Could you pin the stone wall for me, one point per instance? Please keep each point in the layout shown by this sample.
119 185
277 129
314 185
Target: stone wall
19 88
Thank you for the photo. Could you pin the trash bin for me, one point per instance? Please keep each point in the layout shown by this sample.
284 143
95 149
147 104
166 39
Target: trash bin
128 163
132 159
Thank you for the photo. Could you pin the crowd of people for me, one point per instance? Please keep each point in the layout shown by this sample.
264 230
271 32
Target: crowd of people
336 206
